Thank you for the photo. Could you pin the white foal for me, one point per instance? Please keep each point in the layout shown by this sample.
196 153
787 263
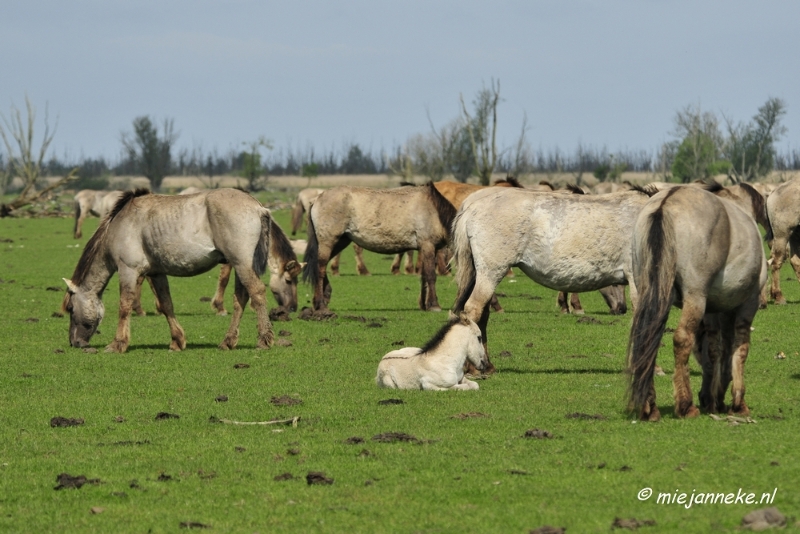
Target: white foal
439 365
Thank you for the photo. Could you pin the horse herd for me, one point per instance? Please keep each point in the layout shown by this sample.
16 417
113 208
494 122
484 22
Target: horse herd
694 246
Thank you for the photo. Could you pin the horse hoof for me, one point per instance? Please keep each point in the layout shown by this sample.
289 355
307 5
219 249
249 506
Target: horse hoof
116 346
691 412
578 312
653 417
435 308
739 410
263 343
228 344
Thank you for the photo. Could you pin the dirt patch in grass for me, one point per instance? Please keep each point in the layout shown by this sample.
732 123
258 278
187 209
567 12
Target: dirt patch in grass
547 529
160 416
241 366
354 440
318 478
283 343
67 481
280 313
285 400
282 477
396 437
307 314
536 433
193 524
59 421
632 523
468 415
387 402
205 299
284 333
221 398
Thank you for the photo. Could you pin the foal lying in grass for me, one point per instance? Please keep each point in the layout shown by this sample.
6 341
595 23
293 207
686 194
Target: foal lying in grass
439 365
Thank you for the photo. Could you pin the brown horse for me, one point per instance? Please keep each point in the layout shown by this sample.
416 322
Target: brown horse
783 207
154 236
91 202
700 252
302 205
283 267
386 221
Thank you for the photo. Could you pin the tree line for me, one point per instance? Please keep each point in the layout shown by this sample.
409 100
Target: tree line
702 144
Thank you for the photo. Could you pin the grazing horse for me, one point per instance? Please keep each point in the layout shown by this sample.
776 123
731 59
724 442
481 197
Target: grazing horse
283 268
302 205
91 202
439 365
154 236
700 252
783 207
386 221
572 243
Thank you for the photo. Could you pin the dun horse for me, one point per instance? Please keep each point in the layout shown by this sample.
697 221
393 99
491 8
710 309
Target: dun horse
302 205
572 243
91 202
386 221
154 236
439 365
283 267
783 207
703 254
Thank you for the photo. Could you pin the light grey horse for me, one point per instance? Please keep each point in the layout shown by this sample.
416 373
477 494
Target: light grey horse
783 208
91 202
154 236
703 254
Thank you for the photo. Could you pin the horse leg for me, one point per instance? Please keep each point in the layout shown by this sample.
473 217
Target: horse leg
137 300
361 267
398 258
427 298
218 302
128 280
409 265
577 307
495 304
740 349
563 304
77 231
443 261
614 296
161 289
709 354
794 251
335 265
777 258
683 342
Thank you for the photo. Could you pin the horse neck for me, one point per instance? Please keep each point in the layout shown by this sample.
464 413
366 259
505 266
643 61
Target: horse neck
98 273
452 350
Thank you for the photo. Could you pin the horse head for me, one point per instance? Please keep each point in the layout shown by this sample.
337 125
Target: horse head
283 284
476 353
85 310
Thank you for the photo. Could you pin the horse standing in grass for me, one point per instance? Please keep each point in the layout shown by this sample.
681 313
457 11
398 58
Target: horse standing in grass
154 236
91 202
703 254
386 221
439 365
572 243
783 207
283 267
302 205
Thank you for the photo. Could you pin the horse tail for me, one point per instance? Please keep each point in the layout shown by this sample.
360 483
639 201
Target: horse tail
444 208
658 268
279 244
297 215
464 260
261 252
77 216
311 257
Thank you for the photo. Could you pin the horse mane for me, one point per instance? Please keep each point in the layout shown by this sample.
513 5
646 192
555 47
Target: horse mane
96 242
438 338
548 184
647 189
511 181
711 187
404 184
445 210
574 189
759 203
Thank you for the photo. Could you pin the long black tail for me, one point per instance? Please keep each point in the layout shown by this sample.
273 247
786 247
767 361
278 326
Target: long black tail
311 257
261 252
655 300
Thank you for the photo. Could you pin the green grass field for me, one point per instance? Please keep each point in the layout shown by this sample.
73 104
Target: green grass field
471 470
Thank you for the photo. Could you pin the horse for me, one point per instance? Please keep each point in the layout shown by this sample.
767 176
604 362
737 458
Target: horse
147 235
702 253
283 268
386 221
439 365
784 217
571 243
305 198
91 202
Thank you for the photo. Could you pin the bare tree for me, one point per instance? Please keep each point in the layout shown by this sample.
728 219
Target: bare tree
150 152
750 147
482 130
24 161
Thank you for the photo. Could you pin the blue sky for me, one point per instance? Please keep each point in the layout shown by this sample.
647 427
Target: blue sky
324 74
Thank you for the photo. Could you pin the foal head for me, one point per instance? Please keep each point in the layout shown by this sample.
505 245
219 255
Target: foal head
283 284
86 310
473 342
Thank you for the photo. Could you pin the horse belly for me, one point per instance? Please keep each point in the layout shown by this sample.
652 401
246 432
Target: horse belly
573 275
184 258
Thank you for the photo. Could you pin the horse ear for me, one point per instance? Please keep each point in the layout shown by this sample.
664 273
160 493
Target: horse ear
463 318
71 287
293 268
